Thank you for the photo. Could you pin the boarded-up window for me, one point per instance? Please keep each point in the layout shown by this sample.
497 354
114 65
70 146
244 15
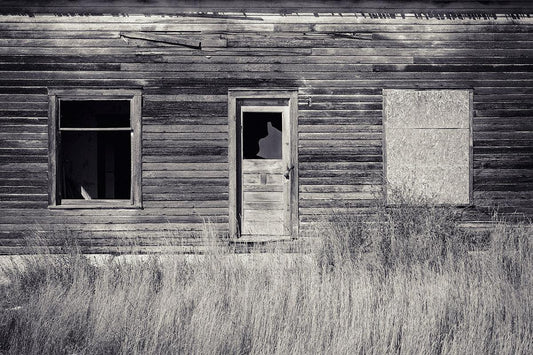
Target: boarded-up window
428 144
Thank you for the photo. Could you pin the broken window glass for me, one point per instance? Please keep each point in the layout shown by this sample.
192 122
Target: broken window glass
262 135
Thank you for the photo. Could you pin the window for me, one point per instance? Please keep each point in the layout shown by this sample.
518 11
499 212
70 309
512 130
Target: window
261 135
428 148
94 148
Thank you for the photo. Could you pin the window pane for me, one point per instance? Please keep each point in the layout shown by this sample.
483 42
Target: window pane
94 114
95 165
261 135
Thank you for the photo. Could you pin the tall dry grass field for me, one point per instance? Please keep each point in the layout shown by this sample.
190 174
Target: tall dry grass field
411 284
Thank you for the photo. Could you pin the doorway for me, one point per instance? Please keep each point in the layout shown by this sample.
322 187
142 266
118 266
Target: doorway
263 165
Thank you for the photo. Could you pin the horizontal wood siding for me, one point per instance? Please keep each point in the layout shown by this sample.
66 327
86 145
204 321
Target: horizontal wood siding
340 64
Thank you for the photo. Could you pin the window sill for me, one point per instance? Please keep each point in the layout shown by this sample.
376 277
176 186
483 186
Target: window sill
94 204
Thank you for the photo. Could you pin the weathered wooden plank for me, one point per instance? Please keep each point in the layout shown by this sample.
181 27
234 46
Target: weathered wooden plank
310 75
267 58
185 129
341 178
128 27
342 134
464 67
176 144
301 13
39 196
10 158
183 174
451 51
504 142
182 204
340 195
246 66
263 196
330 204
504 150
339 188
182 158
185 118
118 220
341 126
185 196
411 82
337 157
185 188
452 59
187 136
287 42
366 150
308 122
264 205
332 166
186 166
193 223
345 143
505 161
273 216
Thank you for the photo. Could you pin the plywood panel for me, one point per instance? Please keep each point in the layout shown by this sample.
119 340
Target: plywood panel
428 145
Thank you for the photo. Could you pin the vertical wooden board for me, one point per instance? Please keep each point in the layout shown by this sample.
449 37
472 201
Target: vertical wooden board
294 166
136 150
52 149
232 165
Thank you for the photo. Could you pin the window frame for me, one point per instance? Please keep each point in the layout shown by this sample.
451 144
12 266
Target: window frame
54 146
470 91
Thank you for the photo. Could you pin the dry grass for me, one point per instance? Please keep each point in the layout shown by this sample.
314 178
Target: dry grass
408 285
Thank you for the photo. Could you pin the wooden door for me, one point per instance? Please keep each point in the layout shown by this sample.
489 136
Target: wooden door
263 164
265 172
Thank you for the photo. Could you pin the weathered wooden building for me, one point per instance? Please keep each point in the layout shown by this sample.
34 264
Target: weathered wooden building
146 119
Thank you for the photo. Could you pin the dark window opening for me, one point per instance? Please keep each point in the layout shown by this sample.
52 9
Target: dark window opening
94 114
262 135
95 150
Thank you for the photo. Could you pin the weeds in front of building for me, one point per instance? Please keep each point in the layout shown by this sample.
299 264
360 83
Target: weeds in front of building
404 279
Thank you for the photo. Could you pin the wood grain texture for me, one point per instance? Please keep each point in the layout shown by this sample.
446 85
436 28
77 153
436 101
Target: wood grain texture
339 57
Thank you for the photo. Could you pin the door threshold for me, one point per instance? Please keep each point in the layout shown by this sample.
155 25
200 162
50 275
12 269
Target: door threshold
260 238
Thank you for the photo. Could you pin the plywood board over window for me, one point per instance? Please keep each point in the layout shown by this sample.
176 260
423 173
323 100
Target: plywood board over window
94 148
428 145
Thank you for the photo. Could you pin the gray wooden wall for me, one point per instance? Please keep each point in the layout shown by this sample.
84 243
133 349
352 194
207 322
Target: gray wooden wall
339 62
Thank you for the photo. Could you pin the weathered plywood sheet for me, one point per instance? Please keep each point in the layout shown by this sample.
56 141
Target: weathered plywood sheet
427 144
427 109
